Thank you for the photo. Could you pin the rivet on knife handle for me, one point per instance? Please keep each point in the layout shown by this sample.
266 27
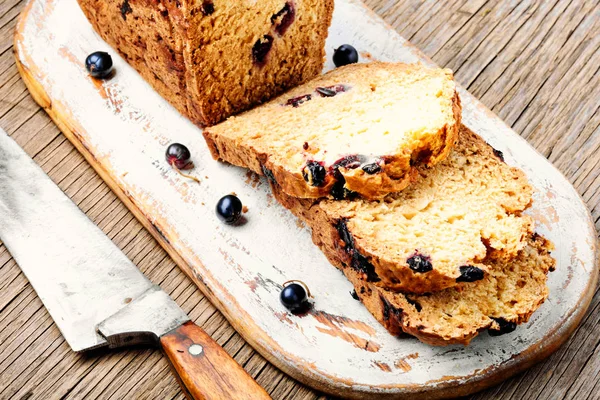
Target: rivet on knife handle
204 369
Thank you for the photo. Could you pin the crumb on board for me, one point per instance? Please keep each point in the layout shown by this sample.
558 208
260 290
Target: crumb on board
245 209
233 193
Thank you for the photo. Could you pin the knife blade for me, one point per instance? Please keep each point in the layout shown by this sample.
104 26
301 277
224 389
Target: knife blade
94 293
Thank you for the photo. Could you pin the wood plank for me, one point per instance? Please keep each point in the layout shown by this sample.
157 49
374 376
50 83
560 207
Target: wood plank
168 230
510 83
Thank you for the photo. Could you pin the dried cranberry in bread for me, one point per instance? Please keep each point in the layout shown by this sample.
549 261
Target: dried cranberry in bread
214 58
439 232
505 298
357 130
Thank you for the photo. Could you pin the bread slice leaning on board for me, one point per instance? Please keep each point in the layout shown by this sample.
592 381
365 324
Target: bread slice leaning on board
437 233
214 58
504 299
447 213
359 130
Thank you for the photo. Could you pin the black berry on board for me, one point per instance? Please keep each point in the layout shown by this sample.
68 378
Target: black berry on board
99 64
229 209
345 55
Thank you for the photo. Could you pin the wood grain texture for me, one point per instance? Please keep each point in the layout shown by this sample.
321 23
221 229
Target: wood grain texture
96 377
204 369
124 140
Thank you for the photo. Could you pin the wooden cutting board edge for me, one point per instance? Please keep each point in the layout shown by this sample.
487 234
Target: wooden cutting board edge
257 338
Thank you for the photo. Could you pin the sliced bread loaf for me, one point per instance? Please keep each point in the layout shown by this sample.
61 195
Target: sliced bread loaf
359 129
505 298
214 58
438 233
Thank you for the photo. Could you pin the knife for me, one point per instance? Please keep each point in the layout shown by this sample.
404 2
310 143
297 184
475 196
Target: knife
94 293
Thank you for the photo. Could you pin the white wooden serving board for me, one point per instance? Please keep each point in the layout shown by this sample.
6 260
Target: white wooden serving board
123 127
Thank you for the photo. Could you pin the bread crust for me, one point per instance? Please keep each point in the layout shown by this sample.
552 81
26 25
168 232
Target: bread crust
206 73
398 166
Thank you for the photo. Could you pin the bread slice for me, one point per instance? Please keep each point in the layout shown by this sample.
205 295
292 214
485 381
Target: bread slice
438 233
214 58
357 130
505 298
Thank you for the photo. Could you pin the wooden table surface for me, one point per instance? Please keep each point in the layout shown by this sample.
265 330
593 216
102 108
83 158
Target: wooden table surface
535 63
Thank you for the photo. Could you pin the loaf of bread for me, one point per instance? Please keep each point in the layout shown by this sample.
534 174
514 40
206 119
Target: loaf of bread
357 130
214 58
439 232
505 298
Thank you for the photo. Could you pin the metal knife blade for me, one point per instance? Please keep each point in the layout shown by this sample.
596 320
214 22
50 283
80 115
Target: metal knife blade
80 275
88 285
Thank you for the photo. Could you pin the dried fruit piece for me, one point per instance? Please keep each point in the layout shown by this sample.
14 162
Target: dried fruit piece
419 263
261 49
314 173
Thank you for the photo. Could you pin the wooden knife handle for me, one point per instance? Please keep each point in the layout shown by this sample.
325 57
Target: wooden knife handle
204 369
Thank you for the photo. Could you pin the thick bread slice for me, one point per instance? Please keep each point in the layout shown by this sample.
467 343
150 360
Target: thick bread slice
505 298
359 129
438 233
213 58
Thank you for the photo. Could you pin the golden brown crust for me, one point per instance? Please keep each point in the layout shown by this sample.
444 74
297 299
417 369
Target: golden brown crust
252 139
198 68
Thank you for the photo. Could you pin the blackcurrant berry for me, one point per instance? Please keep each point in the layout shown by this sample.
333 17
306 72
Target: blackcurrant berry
229 209
99 64
179 156
294 297
344 55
